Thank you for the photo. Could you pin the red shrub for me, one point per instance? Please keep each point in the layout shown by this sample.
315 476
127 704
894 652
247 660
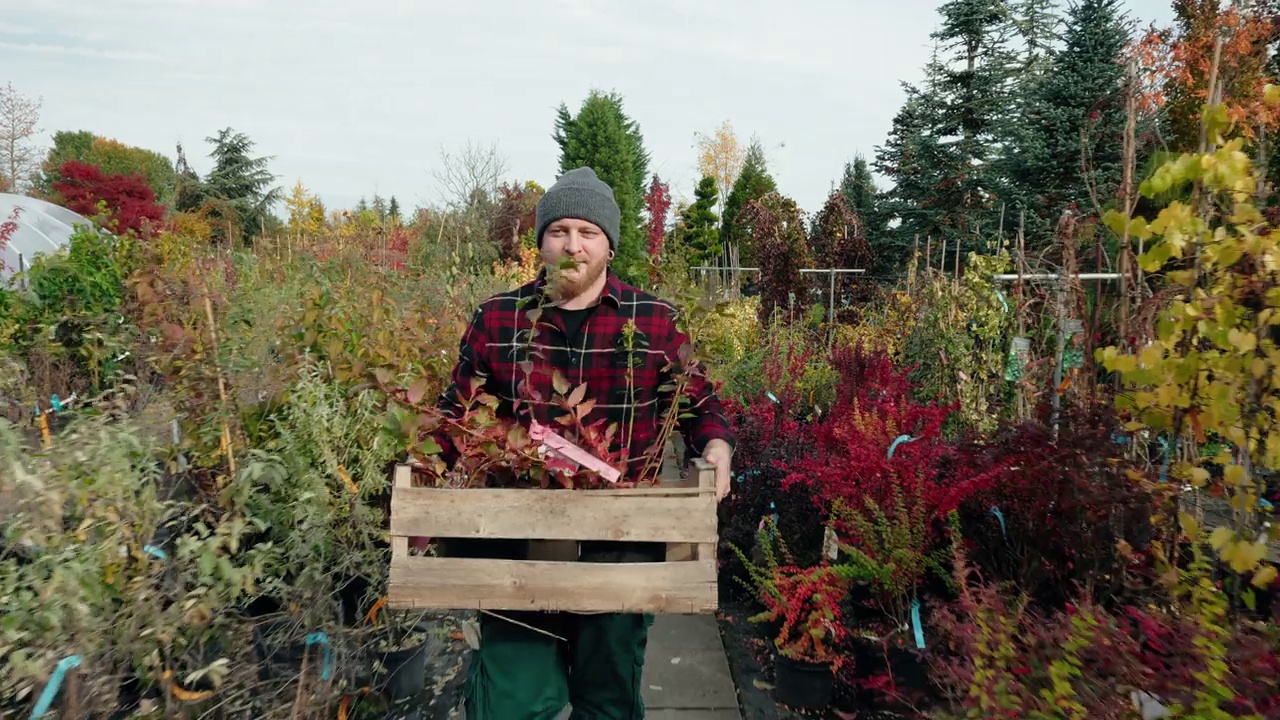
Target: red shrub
1051 515
850 459
130 204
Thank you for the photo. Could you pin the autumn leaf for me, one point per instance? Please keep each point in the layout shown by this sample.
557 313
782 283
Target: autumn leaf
559 382
1264 577
417 391
578 393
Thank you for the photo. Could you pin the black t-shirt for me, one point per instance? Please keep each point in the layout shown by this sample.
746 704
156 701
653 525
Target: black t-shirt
573 321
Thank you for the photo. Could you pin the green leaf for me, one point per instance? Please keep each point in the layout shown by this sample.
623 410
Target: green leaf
429 447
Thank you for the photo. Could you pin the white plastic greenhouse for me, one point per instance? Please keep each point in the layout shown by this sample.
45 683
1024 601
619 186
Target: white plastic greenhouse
42 228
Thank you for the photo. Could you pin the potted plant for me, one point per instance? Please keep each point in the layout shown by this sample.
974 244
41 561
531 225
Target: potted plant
895 549
398 651
804 604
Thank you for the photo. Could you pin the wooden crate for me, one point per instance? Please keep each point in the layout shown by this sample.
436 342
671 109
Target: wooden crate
683 515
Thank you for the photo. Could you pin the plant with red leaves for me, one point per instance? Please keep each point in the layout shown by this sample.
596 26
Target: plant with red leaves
1056 516
7 230
398 246
122 204
805 601
1000 658
877 438
782 250
657 202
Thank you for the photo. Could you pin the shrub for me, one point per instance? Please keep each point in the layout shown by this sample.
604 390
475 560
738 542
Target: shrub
125 204
1056 516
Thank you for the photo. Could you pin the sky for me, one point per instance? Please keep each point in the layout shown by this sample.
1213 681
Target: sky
354 97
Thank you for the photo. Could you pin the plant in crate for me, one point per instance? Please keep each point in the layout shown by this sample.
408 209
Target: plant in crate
804 604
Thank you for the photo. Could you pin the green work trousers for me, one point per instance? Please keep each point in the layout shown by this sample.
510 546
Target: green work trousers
521 674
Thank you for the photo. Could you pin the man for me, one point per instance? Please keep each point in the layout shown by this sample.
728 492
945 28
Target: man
592 328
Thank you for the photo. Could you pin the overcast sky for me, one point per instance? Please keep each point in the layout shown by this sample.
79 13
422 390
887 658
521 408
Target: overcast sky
358 96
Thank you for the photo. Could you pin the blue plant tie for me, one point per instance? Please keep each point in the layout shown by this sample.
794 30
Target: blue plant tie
1266 503
155 552
1118 438
56 402
1164 466
915 623
772 397
55 681
899 440
1002 301
1000 516
320 638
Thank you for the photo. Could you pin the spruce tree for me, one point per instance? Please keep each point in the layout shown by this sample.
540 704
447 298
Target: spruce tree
1082 97
393 210
602 137
911 158
971 87
753 182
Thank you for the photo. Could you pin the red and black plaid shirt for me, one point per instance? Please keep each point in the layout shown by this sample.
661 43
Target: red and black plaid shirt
500 338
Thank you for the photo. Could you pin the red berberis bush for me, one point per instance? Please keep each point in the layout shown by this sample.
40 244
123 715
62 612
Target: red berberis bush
999 657
1055 517
851 459
768 441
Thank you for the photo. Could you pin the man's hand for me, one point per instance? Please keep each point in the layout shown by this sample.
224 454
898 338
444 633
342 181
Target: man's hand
718 453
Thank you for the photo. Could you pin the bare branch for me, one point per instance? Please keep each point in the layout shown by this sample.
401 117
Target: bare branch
19 117
471 177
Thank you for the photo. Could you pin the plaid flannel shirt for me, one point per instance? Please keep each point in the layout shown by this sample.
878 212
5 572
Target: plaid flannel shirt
500 336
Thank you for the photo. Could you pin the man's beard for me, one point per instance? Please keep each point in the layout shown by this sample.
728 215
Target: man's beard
563 287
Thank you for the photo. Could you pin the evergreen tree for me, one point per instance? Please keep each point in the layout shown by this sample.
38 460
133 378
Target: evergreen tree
858 188
189 190
1082 97
242 183
911 158
393 210
379 207
699 233
753 182
971 88
602 137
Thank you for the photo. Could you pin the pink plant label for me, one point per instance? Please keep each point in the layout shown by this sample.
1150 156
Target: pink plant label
566 456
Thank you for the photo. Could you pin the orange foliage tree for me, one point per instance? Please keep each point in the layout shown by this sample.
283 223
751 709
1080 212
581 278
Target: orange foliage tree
1174 67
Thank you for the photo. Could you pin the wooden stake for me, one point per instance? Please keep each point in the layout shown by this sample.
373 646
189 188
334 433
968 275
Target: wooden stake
222 385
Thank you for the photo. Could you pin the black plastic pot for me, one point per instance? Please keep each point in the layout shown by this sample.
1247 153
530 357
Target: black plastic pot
277 658
404 671
802 685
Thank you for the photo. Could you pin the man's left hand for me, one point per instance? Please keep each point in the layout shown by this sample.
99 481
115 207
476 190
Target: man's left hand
718 453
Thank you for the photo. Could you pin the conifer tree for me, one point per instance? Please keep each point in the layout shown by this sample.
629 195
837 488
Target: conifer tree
699 232
1069 153
753 183
858 189
602 137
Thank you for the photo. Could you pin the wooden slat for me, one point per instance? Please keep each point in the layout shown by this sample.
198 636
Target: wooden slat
434 583
552 515
703 479
403 481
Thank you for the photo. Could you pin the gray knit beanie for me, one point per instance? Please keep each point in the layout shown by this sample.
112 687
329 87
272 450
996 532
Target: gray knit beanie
581 195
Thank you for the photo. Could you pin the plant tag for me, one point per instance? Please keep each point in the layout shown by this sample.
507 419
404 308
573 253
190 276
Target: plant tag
471 633
830 544
565 455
